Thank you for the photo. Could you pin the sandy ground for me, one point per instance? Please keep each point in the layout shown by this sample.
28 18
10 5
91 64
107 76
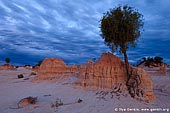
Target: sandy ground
12 90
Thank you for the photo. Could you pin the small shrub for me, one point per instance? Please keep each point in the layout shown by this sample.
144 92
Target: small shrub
94 59
7 60
33 73
79 100
20 76
150 61
158 60
39 63
57 103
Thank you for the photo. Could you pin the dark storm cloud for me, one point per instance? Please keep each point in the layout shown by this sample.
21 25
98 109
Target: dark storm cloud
66 16
70 27
60 16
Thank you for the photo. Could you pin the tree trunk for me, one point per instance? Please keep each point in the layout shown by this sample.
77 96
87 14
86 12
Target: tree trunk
126 64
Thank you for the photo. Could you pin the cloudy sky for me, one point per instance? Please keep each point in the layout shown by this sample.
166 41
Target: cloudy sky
31 30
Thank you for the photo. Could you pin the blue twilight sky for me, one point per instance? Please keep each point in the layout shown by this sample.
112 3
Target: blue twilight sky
31 30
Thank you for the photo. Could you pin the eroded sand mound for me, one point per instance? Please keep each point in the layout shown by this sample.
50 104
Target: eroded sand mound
108 72
7 67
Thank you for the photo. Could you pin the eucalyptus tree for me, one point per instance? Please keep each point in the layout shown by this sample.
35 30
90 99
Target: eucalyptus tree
120 29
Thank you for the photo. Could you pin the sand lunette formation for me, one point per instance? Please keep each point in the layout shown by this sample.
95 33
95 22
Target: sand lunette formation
108 72
7 67
141 84
53 67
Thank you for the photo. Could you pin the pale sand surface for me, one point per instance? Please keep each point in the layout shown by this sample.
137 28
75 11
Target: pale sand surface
12 90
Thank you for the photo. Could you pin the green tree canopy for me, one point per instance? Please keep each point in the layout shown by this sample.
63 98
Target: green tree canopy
7 60
121 27
158 59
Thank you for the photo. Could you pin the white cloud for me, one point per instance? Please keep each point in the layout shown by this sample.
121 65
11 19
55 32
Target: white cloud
11 20
45 23
51 24
7 9
58 16
22 8
37 6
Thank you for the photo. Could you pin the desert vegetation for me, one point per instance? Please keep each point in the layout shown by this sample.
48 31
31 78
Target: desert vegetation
20 76
151 61
121 27
7 60
59 102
